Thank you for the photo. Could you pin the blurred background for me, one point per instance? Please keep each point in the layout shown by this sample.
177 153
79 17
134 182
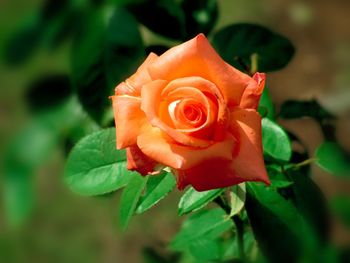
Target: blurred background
42 221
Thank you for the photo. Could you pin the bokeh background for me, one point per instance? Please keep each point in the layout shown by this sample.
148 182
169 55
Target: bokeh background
64 227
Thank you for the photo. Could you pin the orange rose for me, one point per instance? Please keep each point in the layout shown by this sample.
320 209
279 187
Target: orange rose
190 110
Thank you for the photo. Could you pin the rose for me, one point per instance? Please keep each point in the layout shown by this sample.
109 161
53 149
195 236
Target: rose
191 111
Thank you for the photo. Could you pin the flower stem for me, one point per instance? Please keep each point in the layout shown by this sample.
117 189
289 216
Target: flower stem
304 163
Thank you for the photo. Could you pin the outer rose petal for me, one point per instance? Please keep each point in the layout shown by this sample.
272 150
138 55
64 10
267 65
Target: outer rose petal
154 145
197 57
251 95
139 162
132 85
129 119
247 163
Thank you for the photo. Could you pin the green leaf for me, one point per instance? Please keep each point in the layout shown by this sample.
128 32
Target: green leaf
266 108
330 157
230 249
200 16
275 141
277 178
129 199
23 43
311 203
340 207
95 166
46 24
241 41
26 152
193 200
203 225
102 57
237 198
40 93
18 192
158 186
205 250
293 109
163 17
276 223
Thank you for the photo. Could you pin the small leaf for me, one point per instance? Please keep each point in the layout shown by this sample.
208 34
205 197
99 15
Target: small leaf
129 199
200 16
237 198
330 157
241 41
266 108
158 186
277 178
275 141
163 17
205 224
193 200
95 166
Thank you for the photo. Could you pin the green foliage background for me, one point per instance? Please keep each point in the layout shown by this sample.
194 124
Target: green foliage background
60 60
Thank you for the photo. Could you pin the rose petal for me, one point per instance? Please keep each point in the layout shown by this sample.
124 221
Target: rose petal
247 163
139 162
129 119
153 144
197 57
210 90
132 85
252 94
151 99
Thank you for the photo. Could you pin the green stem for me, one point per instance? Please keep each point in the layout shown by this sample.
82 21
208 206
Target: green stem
220 200
304 163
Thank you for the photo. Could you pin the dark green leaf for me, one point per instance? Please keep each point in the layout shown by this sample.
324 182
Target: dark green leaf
340 206
158 186
311 203
48 92
129 199
275 141
200 16
22 45
95 166
193 200
50 23
292 109
103 56
241 41
205 224
276 223
163 17
266 108
333 159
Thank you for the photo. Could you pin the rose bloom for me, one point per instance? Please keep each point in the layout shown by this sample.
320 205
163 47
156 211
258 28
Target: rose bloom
191 111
